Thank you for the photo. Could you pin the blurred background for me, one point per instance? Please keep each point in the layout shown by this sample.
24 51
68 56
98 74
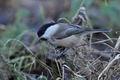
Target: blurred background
30 14
21 19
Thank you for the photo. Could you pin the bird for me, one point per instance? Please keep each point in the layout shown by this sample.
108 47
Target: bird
64 34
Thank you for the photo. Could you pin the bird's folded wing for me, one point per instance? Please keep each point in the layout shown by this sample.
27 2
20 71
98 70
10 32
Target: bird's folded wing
73 31
69 32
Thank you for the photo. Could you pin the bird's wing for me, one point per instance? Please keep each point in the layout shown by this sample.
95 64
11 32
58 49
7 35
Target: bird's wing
69 32
82 31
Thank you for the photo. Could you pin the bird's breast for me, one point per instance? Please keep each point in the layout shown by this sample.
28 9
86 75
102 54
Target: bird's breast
67 42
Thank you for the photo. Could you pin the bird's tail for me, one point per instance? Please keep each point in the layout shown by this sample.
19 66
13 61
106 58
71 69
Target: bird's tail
89 31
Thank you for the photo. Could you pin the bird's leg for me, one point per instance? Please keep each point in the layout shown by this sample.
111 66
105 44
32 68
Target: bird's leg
75 50
60 48
62 52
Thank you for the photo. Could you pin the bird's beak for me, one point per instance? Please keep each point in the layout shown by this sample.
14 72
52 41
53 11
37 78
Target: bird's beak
38 41
43 39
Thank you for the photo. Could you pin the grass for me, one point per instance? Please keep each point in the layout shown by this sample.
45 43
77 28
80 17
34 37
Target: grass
21 60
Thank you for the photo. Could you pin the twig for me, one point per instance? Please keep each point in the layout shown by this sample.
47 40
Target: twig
108 66
63 72
117 44
57 63
80 17
72 71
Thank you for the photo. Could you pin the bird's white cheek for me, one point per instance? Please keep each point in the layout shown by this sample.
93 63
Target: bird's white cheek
50 31
46 35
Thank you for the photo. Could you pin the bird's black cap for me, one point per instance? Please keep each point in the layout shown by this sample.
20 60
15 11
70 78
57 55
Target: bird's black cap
43 28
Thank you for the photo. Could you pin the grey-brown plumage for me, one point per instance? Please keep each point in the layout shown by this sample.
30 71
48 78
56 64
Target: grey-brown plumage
66 35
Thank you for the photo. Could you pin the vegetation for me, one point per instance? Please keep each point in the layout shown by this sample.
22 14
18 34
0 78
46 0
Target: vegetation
96 59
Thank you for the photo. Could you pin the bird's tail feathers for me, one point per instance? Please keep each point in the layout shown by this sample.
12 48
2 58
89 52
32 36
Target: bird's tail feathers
89 31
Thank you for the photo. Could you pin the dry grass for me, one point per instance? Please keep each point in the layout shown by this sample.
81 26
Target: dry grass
40 62
81 63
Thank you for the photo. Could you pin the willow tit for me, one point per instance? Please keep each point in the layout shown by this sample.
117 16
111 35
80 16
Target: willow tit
64 34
